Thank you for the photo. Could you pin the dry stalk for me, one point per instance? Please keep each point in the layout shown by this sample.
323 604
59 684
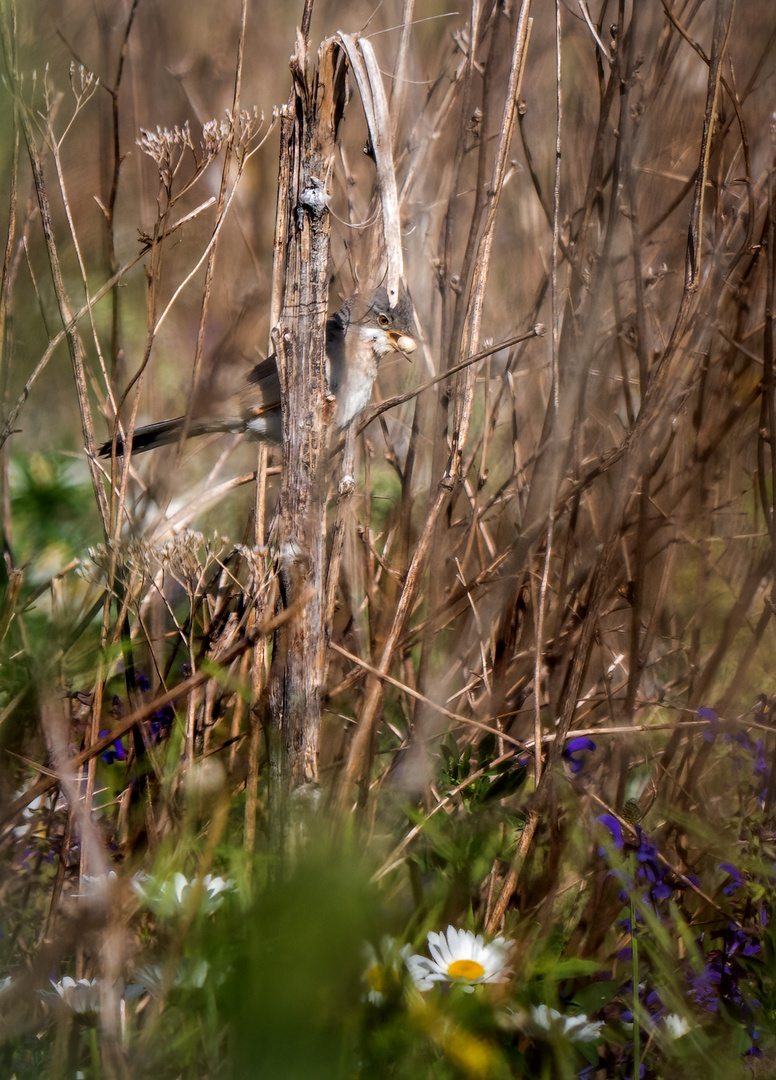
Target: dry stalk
308 130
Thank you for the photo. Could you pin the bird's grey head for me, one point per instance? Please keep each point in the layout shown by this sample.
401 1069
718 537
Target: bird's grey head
401 317
383 327
388 328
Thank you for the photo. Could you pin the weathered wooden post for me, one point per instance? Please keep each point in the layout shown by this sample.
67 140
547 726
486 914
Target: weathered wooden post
300 299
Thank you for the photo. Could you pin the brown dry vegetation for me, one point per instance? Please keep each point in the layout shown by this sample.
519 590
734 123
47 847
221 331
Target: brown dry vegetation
573 533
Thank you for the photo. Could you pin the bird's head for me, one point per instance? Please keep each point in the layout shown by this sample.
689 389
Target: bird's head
388 328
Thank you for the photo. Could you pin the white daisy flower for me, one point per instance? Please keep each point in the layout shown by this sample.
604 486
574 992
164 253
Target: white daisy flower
461 957
675 1025
542 1022
98 886
215 888
189 975
172 895
382 974
82 996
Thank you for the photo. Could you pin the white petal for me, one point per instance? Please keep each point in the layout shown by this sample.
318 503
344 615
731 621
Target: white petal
180 884
437 946
421 971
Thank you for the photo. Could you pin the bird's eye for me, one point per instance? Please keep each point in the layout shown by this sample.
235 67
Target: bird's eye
383 320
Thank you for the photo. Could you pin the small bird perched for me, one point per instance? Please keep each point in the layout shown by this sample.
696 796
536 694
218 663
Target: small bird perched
357 337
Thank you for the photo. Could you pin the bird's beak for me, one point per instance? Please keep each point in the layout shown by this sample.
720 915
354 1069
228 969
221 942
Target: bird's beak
402 342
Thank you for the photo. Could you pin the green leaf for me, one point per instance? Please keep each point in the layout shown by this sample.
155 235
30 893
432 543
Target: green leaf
592 998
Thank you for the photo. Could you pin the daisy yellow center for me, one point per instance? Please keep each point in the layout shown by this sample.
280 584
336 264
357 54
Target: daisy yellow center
376 978
466 969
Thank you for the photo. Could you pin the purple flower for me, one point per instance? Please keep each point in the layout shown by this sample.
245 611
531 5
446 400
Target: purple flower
761 772
161 721
704 986
115 752
754 1035
660 891
655 1005
741 942
735 874
720 978
711 731
575 746
650 871
614 828
647 848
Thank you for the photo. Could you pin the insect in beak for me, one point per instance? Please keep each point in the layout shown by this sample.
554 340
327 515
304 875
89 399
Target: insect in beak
402 342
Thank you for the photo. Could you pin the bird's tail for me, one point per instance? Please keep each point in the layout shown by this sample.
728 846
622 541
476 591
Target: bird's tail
163 433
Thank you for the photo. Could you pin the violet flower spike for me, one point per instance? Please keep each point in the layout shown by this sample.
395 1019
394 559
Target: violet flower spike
574 747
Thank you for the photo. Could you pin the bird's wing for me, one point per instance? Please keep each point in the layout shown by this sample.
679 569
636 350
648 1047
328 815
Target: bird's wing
263 387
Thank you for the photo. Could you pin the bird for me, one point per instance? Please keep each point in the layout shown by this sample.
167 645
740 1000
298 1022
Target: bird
358 336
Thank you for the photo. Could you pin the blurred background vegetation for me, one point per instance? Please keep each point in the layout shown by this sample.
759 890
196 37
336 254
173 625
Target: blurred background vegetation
572 539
